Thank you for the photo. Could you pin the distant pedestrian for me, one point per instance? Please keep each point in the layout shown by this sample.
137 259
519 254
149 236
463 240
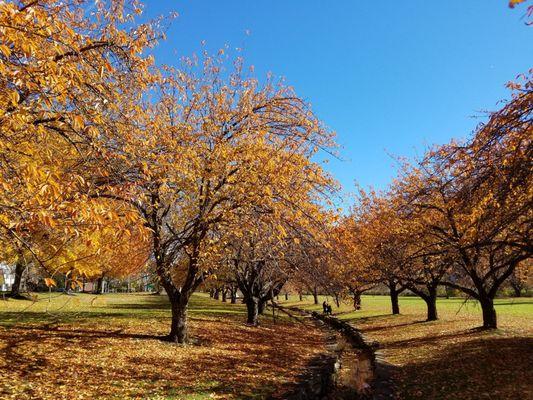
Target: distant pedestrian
328 310
325 307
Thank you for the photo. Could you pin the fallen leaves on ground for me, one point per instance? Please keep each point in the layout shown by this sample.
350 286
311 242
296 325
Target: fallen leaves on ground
452 358
114 357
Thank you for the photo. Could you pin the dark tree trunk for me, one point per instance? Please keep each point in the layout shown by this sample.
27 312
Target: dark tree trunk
99 285
224 295
261 306
178 328
286 296
517 289
357 300
252 307
217 294
394 299
431 302
233 296
20 267
489 313
315 295
337 300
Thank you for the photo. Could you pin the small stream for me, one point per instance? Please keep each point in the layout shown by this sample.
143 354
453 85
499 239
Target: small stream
355 368
355 372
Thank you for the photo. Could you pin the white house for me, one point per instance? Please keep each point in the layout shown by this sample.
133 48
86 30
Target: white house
7 277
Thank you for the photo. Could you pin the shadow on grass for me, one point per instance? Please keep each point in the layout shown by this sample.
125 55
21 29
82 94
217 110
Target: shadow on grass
497 368
223 369
387 327
515 303
365 320
83 335
12 319
431 340
38 351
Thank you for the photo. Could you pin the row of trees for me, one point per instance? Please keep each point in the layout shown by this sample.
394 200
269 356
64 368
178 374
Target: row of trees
110 163
460 218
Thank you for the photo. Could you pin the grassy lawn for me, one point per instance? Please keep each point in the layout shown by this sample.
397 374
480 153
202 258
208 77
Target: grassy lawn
108 347
449 358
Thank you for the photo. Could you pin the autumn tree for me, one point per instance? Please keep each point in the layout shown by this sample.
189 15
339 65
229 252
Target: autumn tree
214 143
65 66
350 261
260 271
521 277
475 202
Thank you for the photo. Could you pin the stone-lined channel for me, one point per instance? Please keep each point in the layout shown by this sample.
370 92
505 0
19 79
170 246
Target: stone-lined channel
349 371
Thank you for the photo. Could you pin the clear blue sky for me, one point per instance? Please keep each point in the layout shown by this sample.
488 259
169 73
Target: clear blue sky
388 76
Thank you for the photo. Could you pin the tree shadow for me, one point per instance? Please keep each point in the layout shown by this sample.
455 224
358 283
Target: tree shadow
514 303
12 319
83 335
39 354
364 320
416 342
479 368
390 326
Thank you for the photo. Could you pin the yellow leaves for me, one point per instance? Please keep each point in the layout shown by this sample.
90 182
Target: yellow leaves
49 282
106 66
514 3
127 365
77 122
5 50
14 97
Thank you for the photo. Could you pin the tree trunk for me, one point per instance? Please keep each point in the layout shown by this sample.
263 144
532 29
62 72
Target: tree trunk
286 296
431 302
224 295
178 328
394 300
99 285
357 300
337 300
489 313
20 267
517 289
261 306
217 294
252 307
233 296
315 295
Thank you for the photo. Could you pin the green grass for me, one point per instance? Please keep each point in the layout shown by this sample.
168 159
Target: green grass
373 306
82 306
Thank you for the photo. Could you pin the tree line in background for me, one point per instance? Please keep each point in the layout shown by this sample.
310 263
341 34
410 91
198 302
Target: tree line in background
206 177
460 218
